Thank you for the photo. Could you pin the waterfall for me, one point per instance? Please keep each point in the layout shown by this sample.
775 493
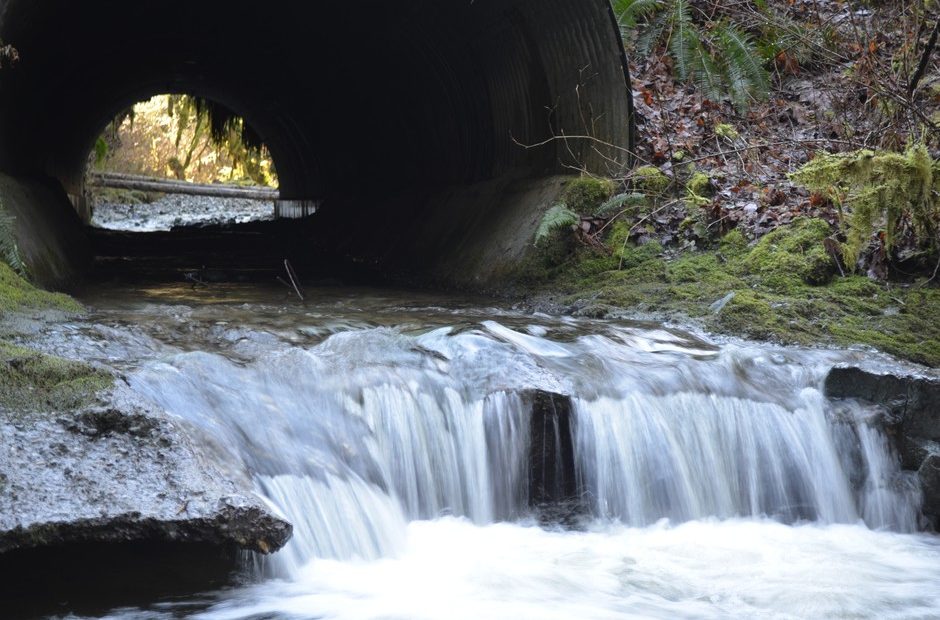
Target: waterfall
371 430
689 456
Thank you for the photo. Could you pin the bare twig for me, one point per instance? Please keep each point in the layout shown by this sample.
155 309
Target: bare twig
293 278
924 60
936 270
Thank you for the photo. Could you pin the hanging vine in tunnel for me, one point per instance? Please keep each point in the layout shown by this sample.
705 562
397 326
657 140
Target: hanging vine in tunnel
9 56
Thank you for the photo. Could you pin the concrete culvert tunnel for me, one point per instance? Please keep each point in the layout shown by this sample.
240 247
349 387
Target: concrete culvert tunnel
406 120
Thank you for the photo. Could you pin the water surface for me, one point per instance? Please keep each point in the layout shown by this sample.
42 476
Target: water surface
716 481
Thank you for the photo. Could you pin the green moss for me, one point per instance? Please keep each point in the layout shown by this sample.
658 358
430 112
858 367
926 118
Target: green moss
794 253
880 190
18 295
748 314
651 180
30 381
592 263
700 184
698 190
109 195
733 243
705 268
585 194
776 292
631 255
728 132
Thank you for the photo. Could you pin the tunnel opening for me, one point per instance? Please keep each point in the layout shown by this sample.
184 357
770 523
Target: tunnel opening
175 160
430 135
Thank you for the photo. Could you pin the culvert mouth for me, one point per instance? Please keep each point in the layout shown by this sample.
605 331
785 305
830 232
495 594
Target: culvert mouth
431 132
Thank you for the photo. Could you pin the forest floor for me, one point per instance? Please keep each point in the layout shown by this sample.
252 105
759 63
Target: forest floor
714 170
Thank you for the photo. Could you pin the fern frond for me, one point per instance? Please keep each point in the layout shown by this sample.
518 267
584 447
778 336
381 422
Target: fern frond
9 251
682 38
706 71
743 65
653 33
629 12
559 216
619 202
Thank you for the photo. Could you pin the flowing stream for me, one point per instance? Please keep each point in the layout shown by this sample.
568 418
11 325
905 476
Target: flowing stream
714 480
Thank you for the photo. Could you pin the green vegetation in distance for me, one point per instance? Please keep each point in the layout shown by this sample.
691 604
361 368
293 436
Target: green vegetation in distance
187 138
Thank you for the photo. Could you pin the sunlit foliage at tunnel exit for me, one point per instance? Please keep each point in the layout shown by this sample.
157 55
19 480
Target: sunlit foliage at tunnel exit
185 138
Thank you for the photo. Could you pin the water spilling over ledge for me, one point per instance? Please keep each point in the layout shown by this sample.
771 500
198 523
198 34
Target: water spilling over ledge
470 462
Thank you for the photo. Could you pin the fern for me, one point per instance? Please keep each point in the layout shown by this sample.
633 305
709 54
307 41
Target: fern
747 78
620 202
707 73
718 57
559 216
629 12
9 251
652 34
683 38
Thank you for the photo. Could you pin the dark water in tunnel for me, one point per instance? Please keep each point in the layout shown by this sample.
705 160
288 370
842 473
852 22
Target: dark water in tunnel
389 428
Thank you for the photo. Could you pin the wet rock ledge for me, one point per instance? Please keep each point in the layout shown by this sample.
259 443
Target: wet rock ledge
122 472
911 408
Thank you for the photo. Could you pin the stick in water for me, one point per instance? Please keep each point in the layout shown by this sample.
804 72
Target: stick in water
293 278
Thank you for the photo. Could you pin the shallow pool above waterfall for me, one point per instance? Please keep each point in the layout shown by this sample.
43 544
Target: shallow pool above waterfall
713 479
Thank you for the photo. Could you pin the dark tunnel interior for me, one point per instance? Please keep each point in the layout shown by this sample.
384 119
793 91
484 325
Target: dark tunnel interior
406 120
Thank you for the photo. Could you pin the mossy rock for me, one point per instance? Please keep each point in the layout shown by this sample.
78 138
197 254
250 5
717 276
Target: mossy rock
704 268
31 381
699 189
726 131
794 251
585 195
630 255
881 192
775 292
651 180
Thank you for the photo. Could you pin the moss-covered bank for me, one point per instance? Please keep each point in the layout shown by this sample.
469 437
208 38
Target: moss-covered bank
29 380
19 296
786 288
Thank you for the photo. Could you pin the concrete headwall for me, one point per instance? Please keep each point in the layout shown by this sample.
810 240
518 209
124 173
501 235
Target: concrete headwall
48 232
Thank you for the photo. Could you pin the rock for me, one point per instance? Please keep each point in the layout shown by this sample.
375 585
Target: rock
910 401
121 473
552 478
929 475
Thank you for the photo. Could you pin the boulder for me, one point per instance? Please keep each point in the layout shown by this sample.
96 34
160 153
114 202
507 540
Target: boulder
910 401
552 478
929 475
123 472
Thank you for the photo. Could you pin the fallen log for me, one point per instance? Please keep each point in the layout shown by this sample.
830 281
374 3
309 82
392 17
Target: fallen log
168 186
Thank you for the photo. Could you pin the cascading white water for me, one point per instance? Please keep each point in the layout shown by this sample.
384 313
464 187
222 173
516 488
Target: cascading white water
355 438
349 445
687 456
403 461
